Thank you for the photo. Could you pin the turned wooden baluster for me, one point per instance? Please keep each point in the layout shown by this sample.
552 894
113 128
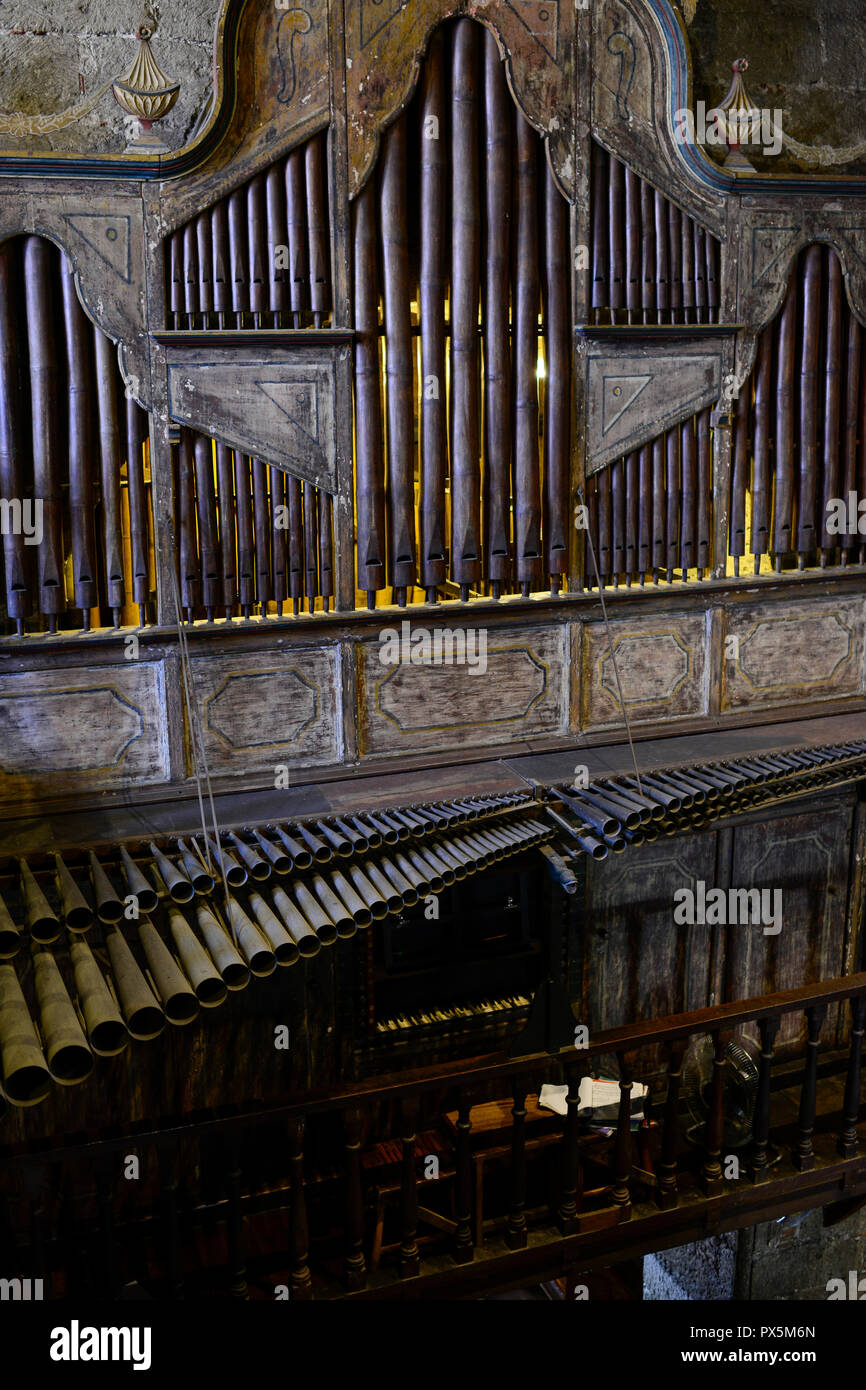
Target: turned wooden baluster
572 1168
235 1223
803 1155
622 1164
302 1284
847 1144
666 1168
768 1028
409 1257
515 1231
356 1269
463 1248
711 1171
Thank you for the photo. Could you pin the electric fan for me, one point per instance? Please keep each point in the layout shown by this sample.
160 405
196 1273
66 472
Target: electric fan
740 1083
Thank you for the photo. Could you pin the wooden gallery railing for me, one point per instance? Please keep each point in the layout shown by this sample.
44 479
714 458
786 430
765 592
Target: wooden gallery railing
652 1183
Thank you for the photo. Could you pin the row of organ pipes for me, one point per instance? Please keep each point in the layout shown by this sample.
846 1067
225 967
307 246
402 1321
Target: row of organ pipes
650 513
71 438
651 263
248 534
261 257
461 223
799 432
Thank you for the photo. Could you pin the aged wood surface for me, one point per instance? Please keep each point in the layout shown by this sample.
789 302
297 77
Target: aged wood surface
409 706
278 407
271 708
81 728
632 395
805 859
661 665
808 652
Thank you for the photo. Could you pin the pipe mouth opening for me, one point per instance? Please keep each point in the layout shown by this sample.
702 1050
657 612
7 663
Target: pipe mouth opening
409 898
109 1037
262 871
345 850
44 930
309 946
181 891
599 851
346 927
327 934
181 1009
27 1085
146 1023
210 992
282 865
286 953
110 911
203 883
304 860
147 901
10 944
78 919
235 975
236 877
379 911
70 1064
262 963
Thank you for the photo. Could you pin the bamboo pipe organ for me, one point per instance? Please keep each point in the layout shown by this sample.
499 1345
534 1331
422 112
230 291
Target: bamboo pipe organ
389 340
464 404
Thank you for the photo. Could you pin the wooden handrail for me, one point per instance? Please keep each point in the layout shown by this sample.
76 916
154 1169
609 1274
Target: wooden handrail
494 1066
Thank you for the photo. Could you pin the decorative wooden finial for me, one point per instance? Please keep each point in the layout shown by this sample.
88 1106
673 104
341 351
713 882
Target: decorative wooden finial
144 90
742 119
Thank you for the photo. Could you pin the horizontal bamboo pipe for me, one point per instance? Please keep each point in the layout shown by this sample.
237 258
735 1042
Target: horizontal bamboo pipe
10 937
305 938
106 1031
223 952
209 986
66 1051
138 886
141 1009
178 998
254 946
77 913
26 1078
282 944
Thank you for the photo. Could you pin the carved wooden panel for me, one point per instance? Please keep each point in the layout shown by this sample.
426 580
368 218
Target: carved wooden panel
805 857
385 40
639 78
80 728
279 408
262 709
662 669
792 653
102 232
518 690
770 238
633 396
638 963
283 95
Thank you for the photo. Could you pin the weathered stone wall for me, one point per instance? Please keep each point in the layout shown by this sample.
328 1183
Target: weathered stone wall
794 1260
807 57
54 53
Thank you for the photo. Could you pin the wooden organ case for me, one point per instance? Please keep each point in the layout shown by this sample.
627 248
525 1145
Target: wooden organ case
428 413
